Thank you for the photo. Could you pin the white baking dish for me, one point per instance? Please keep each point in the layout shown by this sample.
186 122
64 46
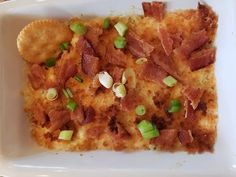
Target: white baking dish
20 156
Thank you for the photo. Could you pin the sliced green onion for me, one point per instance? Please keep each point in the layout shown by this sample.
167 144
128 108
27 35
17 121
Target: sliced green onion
175 106
78 78
78 28
121 28
140 110
65 93
147 129
130 76
106 23
51 94
64 46
141 61
50 62
119 90
169 81
65 135
120 42
71 105
69 92
105 79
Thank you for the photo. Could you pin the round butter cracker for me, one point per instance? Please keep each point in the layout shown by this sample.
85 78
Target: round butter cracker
40 40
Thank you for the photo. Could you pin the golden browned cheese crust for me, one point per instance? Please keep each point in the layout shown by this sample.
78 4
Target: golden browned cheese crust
156 97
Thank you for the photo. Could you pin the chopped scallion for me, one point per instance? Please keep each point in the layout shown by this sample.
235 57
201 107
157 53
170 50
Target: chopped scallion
65 135
170 81
64 46
51 94
65 93
141 61
121 28
175 106
140 110
69 92
120 42
50 62
71 105
78 78
106 23
78 28
147 129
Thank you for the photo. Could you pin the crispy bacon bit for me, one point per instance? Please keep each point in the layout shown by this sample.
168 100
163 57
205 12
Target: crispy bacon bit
66 69
177 39
89 61
116 74
194 95
185 137
147 8
89 115
84 47
166 139
36 76
189 111
202 59
166 40
137 46
154 9
111 111
130 101
166 63
39 114
90 65
82 116
194 42
58 118
207 17
95 132
78 115
95 85
159 122
115 57
153 73
93 35
202 106
117 129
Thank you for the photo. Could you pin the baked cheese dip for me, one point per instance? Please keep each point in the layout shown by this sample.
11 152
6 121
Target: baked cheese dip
123 83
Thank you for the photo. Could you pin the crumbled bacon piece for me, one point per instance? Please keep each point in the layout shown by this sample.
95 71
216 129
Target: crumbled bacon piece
194 42
166 139
116 73
130 101
137 46
89 61
115 57
39 114
154 9
93 35
166 63
95 132
153 73
117 129
78 115
202 59
58 118
185 137
66 69
166 40
189 111
90 65
89 115
194 95
36 76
